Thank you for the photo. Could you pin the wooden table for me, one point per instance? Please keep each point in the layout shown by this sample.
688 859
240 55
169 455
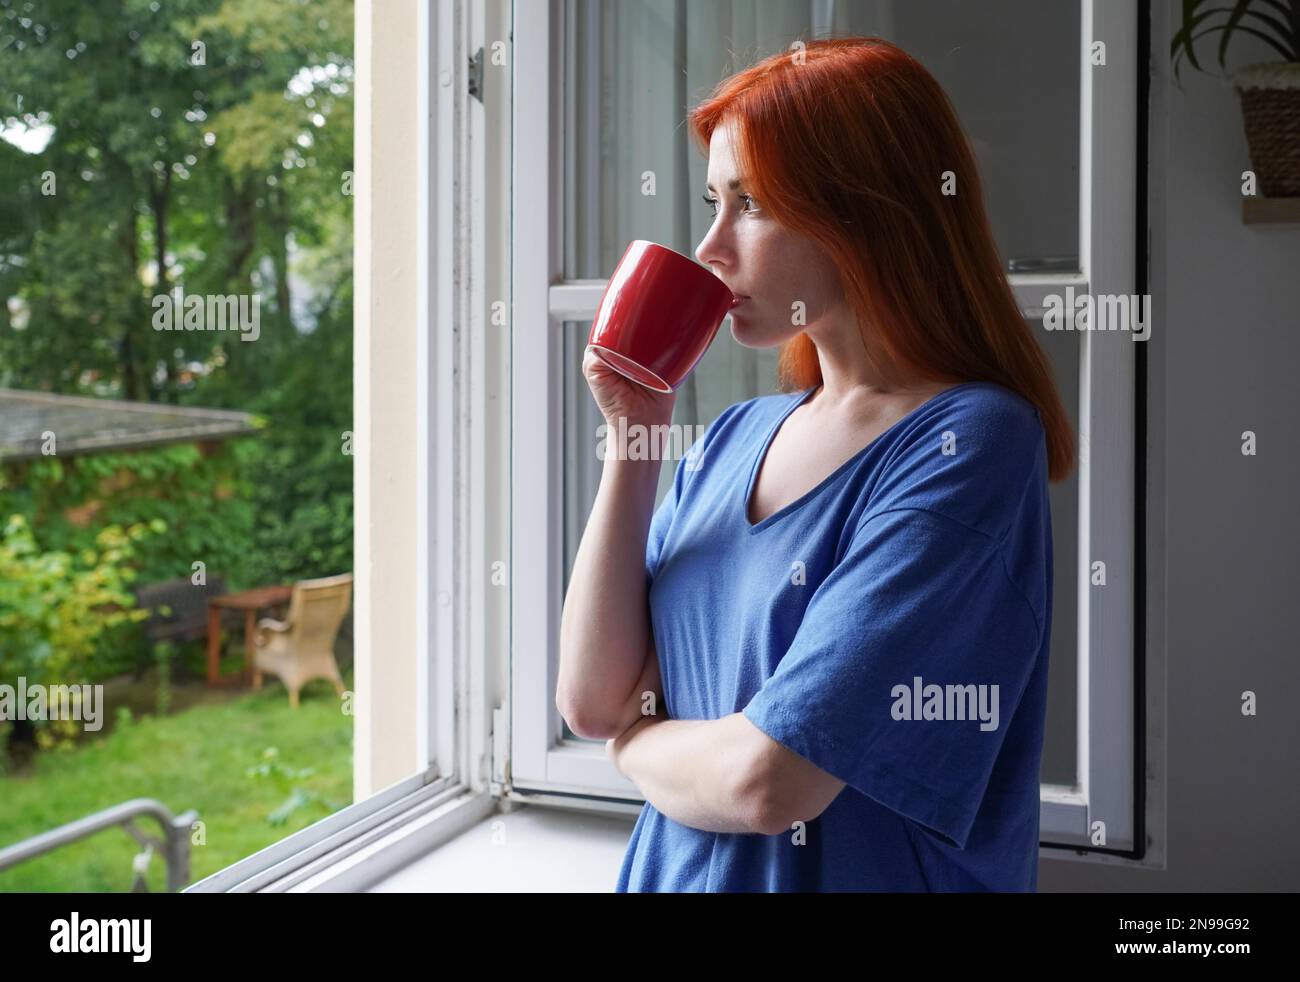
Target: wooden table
250 602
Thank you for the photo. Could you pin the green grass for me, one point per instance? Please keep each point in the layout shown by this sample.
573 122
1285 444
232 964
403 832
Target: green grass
198 758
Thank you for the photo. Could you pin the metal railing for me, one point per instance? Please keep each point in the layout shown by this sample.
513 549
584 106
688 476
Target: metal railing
174 845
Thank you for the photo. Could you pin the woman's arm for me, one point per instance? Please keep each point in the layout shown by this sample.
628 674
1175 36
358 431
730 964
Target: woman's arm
706 774
605 637
647 698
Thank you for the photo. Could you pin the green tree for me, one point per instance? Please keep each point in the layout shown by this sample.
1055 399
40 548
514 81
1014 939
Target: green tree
194 144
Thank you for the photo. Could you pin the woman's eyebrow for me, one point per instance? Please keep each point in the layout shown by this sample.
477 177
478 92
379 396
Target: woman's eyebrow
732 185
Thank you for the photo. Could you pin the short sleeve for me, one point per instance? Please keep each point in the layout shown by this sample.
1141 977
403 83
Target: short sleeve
908 664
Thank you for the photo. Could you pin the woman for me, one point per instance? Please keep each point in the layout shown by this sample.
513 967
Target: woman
831 672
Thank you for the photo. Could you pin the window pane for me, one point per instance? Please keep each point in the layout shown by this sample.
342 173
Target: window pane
1060 760
636 67
1019 104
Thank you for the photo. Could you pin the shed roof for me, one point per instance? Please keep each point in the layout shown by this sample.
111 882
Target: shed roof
83 425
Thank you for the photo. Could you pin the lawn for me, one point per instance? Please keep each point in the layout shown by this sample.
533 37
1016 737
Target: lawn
197 757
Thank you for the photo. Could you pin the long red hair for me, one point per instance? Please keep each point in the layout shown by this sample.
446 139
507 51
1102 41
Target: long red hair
850 142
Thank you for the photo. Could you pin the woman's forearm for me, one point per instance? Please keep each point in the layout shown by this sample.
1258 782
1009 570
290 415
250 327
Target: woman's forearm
605 624
696 772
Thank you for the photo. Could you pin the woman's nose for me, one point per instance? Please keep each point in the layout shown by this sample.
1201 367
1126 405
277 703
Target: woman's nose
708 251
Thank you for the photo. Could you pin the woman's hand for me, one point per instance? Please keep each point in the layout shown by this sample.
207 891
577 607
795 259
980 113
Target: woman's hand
617 396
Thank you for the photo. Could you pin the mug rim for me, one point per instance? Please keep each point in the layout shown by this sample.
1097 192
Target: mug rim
612 358
681 255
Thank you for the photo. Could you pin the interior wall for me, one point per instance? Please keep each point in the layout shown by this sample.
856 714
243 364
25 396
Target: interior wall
1223 534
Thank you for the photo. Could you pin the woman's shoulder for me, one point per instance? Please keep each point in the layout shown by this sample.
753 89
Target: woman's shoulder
973 453
992 403
992 423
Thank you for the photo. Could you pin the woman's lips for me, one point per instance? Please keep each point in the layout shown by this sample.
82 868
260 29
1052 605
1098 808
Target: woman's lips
737 300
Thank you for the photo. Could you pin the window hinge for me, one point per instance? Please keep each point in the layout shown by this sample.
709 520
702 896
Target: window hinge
476 75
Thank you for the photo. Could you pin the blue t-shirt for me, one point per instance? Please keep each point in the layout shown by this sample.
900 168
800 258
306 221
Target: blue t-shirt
892 626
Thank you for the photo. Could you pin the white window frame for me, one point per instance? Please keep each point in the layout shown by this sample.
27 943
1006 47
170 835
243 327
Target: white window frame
547 768
450 788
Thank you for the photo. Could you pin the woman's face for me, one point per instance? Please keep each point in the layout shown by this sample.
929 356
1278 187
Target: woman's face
790 282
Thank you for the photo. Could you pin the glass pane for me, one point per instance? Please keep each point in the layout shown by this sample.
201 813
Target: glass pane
1018 101
1060 760
636 67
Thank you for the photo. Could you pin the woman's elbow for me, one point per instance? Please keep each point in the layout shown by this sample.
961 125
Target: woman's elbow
588 725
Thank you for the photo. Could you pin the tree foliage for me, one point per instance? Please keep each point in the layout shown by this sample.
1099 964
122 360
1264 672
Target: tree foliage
203 146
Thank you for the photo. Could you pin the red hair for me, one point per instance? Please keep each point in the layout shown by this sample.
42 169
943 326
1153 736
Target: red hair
849 142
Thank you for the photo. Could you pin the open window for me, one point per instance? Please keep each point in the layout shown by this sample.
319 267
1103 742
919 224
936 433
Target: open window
601 92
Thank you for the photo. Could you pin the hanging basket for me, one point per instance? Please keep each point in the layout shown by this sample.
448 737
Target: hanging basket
1270 105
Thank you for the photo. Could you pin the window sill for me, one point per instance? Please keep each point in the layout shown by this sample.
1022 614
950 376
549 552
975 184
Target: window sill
531 849
361 844
435 837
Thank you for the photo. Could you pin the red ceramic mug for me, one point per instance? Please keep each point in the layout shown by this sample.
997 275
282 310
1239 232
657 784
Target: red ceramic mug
658 315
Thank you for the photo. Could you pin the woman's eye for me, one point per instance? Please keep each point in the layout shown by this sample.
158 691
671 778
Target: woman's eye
713 203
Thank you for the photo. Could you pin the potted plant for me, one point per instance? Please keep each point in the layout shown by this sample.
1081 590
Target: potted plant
1269 91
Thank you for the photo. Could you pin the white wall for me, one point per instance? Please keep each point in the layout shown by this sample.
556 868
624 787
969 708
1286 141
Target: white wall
386 748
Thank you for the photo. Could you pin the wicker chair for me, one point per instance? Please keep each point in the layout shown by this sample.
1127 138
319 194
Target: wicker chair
302 648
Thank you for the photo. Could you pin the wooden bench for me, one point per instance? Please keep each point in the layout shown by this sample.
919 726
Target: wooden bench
178 612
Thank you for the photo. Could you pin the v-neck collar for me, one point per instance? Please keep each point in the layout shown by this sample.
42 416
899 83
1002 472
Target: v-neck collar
830 478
